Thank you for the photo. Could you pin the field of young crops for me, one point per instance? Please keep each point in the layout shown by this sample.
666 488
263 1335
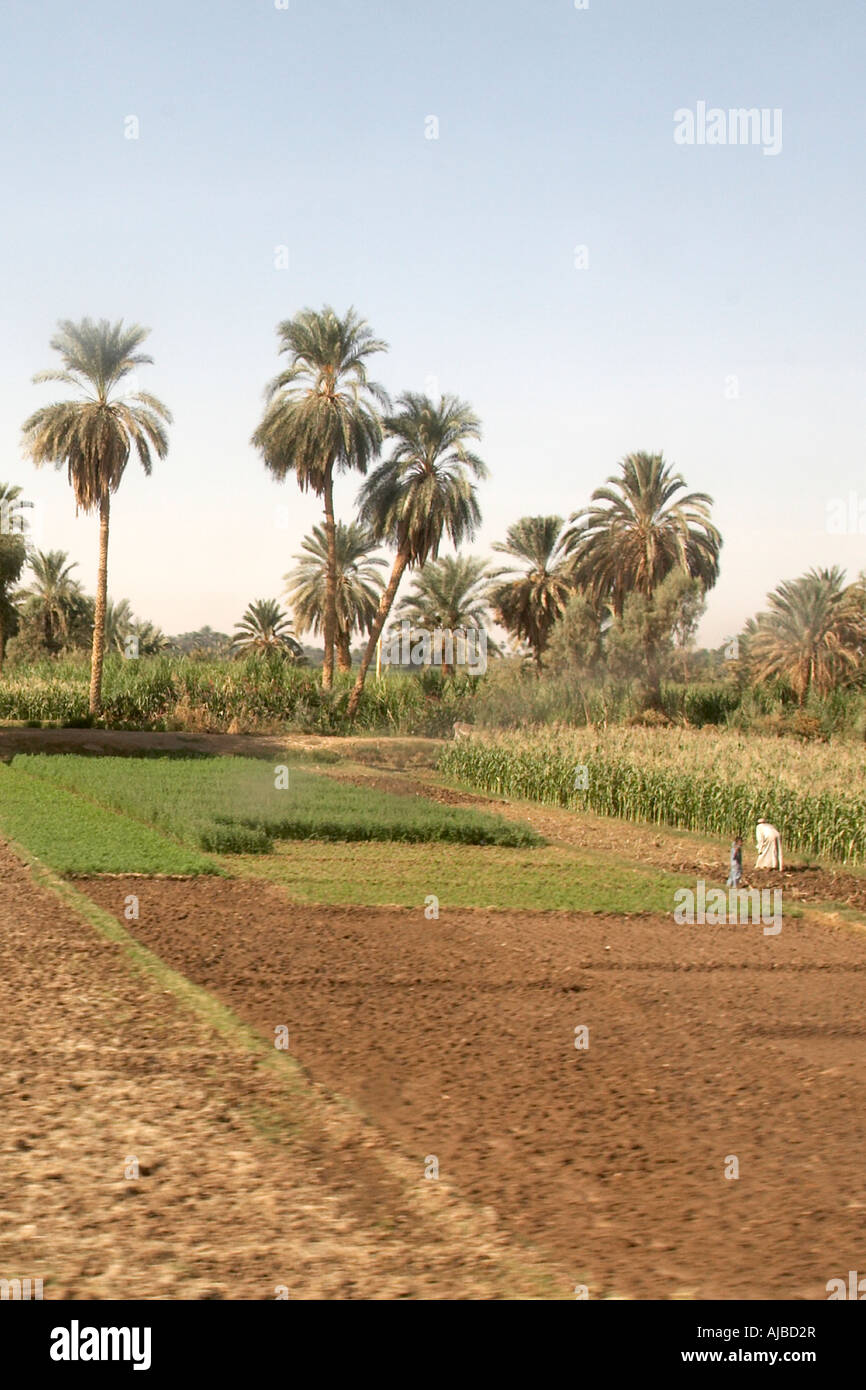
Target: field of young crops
716 782
229 805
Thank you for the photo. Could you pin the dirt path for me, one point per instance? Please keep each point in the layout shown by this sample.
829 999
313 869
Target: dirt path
243 1185
457 1037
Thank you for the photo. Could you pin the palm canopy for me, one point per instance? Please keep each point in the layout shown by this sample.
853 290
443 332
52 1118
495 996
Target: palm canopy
427 488
322 408
641 532
52 594
265 629
95 434
813 633
359 586
449 593
530 594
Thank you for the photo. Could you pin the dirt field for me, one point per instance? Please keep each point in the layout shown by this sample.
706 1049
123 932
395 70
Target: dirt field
243 1186
457 1037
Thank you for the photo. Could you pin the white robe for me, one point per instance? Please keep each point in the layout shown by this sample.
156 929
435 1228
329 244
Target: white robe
769 845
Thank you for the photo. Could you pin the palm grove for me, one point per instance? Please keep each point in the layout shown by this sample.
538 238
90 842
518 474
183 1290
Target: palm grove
613 592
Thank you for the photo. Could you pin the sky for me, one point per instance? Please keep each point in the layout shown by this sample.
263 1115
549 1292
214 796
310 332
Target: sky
497 188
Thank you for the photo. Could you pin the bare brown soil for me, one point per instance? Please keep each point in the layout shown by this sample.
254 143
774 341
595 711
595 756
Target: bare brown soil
244 1185
706 1044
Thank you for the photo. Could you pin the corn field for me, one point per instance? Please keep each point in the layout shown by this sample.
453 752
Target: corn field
716 783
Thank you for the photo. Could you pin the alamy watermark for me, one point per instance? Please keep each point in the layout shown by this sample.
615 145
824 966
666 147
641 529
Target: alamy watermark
738 907
419 646
738 126
847 516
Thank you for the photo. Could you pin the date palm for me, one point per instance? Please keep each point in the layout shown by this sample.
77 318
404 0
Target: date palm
530 594
321 418
358 585
425 491
94 435
813 633
638 530
53 597
13 553
265 629
119 622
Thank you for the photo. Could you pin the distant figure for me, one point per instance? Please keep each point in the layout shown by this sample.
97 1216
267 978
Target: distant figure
769 844
736 873
462 730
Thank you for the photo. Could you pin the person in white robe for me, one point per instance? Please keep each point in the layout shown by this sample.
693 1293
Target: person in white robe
769 845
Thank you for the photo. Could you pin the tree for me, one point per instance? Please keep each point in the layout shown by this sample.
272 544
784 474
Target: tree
119 623
13 553
642 639
813 634
641 533
322 416
426 490
531 594
358 585
53 599
265 630
451 594
151 639
94 435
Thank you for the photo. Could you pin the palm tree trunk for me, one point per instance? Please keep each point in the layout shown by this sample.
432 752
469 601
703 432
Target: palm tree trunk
98 652
386 603
2 641
330 615
344 652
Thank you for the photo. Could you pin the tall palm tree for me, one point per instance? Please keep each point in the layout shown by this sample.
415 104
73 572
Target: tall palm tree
641 533
359 587
530 594
94 435
426 490
813 634
322 416
52 596
13 553
265 629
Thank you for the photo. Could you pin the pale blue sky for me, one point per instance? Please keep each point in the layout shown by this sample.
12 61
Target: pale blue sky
305 127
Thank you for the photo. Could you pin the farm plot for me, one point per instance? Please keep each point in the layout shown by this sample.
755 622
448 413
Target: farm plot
241 805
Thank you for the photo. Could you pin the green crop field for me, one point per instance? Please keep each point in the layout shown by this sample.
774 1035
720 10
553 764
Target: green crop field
241 805
73 836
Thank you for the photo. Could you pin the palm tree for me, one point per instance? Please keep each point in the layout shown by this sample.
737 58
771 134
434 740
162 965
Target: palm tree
531 594
423 492
451 594
322 416
13 553
813 634
151 639
358 585
265 629
119 622
94 435
642 533
53 596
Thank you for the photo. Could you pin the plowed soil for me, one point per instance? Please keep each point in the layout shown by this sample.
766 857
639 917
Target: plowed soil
142 1155
710 1049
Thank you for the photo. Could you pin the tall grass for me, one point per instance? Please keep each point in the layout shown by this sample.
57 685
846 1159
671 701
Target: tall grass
716 783
252 696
